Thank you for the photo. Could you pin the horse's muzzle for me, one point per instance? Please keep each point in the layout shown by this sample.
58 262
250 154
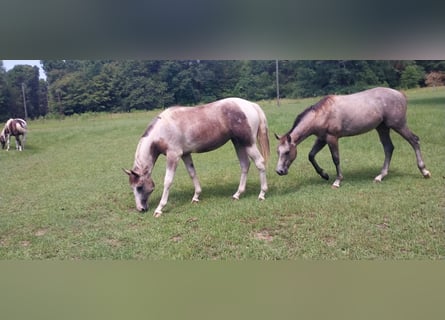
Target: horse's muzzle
281 172
141 208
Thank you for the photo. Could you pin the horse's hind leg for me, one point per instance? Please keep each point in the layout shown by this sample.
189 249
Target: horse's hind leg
188 161
413 140
18 143
388 148
23 141
258 159
244 162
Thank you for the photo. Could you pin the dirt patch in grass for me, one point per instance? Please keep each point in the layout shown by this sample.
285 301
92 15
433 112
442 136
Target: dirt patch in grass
40 232
263 235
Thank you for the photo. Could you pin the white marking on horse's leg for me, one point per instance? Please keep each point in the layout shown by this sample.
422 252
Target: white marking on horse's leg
421 165
382 174
258 159
333 147
414 141
18 145
192 172
388 149
336 184
263 181
379 178
157 213
7 142
172 164
244 161
242 185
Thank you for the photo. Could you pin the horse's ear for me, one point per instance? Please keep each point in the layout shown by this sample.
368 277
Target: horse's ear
277 136
130 172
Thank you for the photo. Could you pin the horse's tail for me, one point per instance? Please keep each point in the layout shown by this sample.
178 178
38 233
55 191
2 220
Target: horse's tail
263 134
21 126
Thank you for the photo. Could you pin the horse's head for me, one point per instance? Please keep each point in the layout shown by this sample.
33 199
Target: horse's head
142 185
287 152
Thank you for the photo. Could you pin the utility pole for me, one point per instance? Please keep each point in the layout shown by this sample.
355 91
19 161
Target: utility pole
24 100
278 83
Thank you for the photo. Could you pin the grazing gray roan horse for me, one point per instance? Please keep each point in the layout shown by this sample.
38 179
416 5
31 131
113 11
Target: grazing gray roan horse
14 127
337 116
179 131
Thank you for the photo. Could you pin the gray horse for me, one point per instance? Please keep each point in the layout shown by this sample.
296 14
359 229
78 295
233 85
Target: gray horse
337 116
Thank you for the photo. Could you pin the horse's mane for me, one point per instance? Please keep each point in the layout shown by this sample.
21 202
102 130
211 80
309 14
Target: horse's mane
150 126
324 101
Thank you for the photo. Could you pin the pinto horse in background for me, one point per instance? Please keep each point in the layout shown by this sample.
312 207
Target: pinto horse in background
180 131
337 116
14 127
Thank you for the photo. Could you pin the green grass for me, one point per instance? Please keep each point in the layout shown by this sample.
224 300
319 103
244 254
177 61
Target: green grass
66 197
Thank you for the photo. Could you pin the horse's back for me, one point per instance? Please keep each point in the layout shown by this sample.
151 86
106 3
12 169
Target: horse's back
253 112
374 98
363 111
388 103
206 127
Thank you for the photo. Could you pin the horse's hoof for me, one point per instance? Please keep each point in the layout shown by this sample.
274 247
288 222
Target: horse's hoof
157 214
427 174
261 198
377 180
234 197
335 185
195 200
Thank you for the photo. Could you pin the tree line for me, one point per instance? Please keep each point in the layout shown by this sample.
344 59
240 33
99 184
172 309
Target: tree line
79 86
22 93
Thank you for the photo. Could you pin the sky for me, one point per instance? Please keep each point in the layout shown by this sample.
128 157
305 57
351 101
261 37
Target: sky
9 64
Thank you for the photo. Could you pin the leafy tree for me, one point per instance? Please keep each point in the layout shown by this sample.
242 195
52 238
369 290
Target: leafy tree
43 98
76 86
23 79
412 76
256 80
4 95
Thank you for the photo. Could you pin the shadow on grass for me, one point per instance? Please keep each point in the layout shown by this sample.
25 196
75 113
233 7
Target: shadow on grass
352 177
181 196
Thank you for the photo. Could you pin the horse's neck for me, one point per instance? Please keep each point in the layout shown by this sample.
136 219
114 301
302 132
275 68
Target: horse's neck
146 156
303 129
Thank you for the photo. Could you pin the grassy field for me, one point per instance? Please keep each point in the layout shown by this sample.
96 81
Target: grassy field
66 197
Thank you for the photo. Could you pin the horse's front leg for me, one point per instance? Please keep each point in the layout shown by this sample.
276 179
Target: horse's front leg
318 145
188 161
388 148
333 147
172 164
7 141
